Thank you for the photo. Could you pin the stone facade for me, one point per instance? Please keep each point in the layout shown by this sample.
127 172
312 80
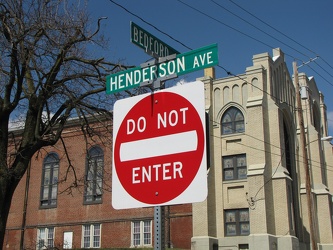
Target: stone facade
267 207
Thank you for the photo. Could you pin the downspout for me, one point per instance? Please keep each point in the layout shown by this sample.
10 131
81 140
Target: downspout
168 227
24 217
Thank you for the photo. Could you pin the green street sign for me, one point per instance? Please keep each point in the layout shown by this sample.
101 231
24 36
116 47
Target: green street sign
151 44
183 63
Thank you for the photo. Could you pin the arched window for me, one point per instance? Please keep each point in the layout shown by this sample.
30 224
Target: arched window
94 175
49 188
232 122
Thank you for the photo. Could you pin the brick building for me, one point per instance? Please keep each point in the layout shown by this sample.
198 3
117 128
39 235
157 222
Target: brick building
256 183
57 205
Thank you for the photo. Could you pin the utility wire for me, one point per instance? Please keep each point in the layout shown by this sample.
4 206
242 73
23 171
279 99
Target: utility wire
148 23
263 141
319 75
186 46
286 37
230 27
219 66
327 63
227 71
323 68
272 27
276 154
271 36
255 196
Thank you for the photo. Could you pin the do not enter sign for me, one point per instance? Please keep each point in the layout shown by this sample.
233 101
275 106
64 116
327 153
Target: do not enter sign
159 149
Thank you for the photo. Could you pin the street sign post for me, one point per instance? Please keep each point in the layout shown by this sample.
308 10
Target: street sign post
151 44
183 63
159 149
159 141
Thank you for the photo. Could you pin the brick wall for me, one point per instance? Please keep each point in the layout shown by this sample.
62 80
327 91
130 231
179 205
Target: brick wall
71 213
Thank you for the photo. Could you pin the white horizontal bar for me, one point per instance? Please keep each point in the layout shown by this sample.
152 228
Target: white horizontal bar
159 146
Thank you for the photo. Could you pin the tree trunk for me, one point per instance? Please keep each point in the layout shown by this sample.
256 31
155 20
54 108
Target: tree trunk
7 187
42 95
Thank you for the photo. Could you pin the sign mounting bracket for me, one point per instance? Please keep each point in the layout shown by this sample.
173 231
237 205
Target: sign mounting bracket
159 82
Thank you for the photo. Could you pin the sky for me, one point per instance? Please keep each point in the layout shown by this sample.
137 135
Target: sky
302 29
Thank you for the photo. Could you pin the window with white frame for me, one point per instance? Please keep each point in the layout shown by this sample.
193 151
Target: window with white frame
94 176
91 236
45 238
141 233
49 188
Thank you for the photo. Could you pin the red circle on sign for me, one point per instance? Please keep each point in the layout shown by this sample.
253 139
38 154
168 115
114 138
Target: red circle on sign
159 178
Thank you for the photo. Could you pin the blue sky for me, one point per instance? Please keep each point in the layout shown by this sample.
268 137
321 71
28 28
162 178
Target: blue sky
241 28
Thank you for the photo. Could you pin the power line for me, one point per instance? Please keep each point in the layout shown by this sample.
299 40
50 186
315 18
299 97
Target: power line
148 23
201 12
230 27
227 71
327 63
244 20
276 154
320 75
272 27
176 40
323 68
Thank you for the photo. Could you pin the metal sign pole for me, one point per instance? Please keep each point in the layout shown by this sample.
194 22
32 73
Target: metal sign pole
159 229
159 215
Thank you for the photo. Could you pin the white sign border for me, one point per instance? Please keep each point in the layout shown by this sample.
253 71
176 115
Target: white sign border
197 190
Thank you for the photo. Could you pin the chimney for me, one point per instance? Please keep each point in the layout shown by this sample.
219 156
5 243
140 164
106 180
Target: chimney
210 72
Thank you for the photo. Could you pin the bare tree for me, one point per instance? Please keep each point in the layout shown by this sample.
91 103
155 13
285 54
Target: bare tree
47 75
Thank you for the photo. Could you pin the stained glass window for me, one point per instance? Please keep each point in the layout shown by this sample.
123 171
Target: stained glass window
234 167
237 222
232 122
